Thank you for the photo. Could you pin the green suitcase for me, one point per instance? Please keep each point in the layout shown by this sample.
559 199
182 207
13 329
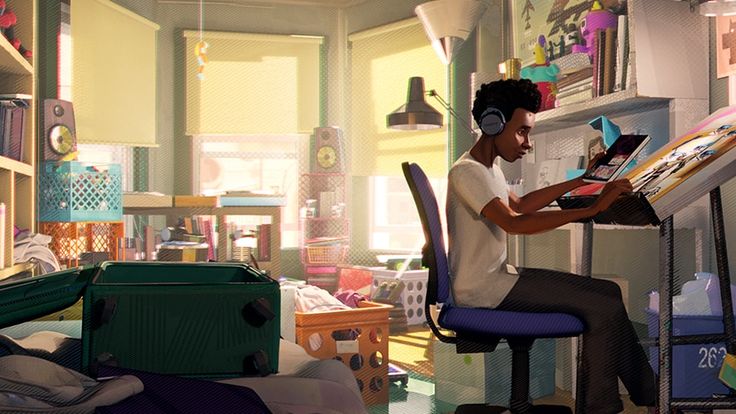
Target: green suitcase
33 297
191 319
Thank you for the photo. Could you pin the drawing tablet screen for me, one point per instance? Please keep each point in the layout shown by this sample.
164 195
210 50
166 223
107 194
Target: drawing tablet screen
617 156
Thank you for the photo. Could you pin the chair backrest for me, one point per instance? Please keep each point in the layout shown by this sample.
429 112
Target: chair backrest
433 253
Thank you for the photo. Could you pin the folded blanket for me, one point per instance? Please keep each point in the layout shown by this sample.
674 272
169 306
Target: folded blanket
33 385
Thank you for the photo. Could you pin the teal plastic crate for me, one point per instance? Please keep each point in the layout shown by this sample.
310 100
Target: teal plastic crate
73 191
189 319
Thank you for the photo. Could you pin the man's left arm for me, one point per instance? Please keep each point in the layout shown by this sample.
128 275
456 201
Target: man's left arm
543 197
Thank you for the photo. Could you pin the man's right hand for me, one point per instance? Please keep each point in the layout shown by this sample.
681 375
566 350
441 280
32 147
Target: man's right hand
610 193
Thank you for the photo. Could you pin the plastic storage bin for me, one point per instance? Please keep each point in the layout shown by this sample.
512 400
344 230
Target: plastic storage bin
413 295
71 240
325 255
190 319
486 377
695 368
75 191
357 337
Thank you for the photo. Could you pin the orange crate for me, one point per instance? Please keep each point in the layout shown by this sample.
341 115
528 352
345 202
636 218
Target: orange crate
362 337
70 239
326 254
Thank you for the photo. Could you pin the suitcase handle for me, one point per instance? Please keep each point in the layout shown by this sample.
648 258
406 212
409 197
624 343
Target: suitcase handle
256 363
102 311
258 312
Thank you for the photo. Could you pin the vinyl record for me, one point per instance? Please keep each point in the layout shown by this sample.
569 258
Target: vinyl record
61 139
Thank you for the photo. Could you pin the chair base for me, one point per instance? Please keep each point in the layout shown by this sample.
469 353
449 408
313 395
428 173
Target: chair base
495 409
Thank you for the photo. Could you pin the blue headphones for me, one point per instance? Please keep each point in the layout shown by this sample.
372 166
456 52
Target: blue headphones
492 121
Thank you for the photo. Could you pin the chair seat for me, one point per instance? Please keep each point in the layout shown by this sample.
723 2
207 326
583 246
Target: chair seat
504 323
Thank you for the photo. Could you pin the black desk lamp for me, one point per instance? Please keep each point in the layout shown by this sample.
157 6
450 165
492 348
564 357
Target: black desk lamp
417 114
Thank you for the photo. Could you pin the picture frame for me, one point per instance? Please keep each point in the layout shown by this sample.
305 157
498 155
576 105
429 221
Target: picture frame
551 18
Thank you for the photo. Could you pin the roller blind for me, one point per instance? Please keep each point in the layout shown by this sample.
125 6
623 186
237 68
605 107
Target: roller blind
113 74
253 83
382 61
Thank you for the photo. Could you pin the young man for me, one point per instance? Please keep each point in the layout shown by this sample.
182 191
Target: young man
481 210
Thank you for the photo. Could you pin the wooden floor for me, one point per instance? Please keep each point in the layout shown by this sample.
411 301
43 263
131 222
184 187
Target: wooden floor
412 351
565 398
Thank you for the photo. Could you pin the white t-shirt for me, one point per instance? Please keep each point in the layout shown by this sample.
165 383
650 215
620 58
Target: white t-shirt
477 246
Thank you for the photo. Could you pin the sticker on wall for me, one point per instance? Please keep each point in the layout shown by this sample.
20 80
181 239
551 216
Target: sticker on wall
726 45
200 49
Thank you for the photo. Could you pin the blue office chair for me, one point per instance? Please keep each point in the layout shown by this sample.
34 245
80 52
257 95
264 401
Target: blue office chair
478 329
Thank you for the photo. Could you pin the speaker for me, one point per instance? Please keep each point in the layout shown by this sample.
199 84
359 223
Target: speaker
492 121
328 150
59 132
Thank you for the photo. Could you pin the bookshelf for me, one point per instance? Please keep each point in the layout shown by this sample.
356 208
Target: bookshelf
324 227
17 178
617 103
223 252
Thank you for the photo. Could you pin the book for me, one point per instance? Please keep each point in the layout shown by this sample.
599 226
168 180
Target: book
195 201
585 83
609 60
14 150
597 64
580 96
210 238
146 199
264 242
576 77
570 90
622 44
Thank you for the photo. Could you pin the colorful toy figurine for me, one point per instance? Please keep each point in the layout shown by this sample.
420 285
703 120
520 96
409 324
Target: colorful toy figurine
543 74
200 50
597 19
8 19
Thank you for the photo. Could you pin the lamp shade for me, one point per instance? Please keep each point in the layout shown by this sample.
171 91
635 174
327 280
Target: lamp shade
448 23
416 113
718 8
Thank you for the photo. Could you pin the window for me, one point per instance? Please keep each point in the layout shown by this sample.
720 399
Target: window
382 61
395 224
92 153
257 163
252 134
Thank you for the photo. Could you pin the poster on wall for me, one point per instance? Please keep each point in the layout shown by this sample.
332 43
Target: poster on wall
726 45
557 20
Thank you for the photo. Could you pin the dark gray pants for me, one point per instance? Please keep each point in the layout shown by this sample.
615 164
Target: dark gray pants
611 348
